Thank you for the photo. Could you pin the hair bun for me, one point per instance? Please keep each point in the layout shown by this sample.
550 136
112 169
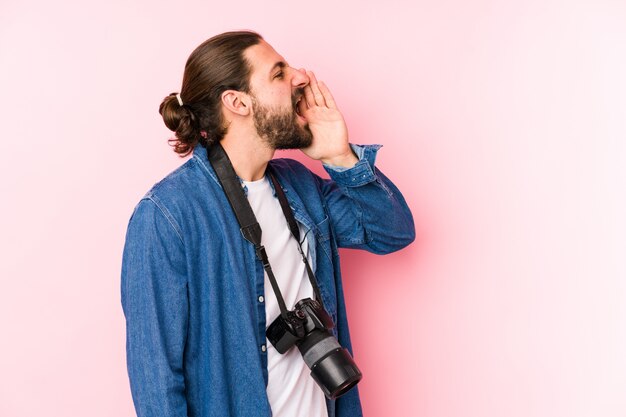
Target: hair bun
178 118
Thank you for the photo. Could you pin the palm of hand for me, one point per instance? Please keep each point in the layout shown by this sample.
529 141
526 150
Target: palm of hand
330 133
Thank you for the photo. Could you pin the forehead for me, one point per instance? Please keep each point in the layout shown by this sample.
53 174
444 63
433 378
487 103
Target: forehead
262 58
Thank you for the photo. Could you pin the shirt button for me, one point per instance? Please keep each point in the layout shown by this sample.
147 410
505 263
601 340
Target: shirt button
263 348
261 299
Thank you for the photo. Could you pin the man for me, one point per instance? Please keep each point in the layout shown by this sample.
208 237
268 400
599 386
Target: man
196 299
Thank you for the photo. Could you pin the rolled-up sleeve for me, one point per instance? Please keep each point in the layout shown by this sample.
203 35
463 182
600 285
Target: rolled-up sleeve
367 210
155 304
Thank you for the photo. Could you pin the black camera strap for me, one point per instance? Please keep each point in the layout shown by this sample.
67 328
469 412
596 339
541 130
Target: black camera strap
295 231
250 228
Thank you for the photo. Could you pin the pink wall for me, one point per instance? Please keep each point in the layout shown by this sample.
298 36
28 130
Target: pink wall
503 124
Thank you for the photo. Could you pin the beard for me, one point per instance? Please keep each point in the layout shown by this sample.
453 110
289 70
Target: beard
280 128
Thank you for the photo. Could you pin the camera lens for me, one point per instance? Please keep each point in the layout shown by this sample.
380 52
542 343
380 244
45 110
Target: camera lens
331 365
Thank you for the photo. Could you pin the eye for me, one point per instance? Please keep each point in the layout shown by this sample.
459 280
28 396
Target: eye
280 74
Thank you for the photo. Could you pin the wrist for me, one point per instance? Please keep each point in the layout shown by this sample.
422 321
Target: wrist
345 160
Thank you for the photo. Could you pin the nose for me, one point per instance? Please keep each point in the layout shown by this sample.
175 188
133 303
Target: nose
300 79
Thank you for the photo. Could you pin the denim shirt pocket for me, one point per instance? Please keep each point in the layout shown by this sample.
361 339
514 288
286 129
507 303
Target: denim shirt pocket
323 235
322 229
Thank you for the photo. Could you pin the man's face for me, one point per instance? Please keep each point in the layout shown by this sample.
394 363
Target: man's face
275 90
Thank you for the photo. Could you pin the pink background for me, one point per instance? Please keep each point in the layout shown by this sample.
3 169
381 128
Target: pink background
503 123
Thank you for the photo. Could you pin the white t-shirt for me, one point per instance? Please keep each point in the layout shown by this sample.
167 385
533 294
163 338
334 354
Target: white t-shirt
291 390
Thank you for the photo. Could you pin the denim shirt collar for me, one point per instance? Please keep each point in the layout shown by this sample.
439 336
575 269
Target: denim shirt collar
200 153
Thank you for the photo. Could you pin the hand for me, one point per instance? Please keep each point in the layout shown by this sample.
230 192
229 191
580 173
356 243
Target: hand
330 133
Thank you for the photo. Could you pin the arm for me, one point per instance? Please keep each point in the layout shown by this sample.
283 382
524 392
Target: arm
367 211
155 304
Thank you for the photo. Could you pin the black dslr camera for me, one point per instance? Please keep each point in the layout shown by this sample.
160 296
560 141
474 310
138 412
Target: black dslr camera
308 327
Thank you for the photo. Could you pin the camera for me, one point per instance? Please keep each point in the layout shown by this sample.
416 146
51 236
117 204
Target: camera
308 326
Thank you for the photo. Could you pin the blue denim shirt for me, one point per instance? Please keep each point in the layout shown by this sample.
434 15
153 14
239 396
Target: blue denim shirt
192 289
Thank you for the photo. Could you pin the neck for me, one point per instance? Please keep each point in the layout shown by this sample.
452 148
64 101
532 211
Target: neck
248 154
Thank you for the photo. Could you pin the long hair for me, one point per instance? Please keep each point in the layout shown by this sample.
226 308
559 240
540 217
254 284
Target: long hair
215 66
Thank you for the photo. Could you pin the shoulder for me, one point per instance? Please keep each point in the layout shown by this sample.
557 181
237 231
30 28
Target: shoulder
174 181
173 193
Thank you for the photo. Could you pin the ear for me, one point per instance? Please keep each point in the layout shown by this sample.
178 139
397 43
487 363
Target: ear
236 102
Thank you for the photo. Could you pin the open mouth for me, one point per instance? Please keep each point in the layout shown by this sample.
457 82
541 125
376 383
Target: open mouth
298 106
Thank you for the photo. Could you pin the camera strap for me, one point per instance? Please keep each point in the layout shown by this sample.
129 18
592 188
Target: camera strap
250 228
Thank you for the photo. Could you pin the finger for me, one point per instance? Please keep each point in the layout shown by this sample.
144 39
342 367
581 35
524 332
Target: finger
330 100
319 97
